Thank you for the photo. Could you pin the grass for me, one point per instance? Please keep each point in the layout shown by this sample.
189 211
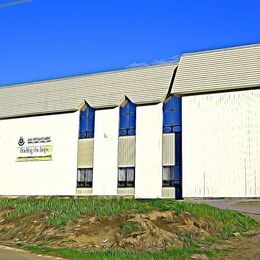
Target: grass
188 238
72 254
63 210
130 226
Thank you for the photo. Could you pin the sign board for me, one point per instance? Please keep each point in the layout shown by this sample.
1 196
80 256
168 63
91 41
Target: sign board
34 149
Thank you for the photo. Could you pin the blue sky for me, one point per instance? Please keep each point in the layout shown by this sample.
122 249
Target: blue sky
44 39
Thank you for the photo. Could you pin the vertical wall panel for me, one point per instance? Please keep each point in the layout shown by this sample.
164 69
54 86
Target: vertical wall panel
85 153
148 179
168 192
168 147
126 191
105 152
126 151
221 145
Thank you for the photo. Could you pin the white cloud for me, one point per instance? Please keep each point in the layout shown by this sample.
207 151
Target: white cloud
174 58
13 2
137 64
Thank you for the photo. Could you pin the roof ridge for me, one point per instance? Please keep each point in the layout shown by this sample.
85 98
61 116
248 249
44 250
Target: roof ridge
222 49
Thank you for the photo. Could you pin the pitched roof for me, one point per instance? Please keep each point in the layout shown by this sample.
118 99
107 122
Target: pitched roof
141 85
218 70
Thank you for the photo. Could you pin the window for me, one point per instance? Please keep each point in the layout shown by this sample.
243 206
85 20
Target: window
171 176
85 178
172 115
127 119
87 122
178 150
126 177
167 180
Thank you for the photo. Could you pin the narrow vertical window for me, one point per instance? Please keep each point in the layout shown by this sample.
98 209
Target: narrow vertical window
168 176
126 177
171 176
87 123
127 119
172 115
85 178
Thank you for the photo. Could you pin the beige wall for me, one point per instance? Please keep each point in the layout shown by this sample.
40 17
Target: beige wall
85 153
168 149
126 151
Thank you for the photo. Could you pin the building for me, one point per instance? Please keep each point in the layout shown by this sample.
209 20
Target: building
221 122
187 129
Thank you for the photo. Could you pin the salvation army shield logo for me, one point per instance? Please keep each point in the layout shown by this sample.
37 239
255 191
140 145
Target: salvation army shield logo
21 141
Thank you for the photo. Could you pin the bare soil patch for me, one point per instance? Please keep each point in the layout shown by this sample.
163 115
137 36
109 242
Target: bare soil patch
239 247
158 231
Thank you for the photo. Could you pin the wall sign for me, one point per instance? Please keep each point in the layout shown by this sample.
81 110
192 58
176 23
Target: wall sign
34 149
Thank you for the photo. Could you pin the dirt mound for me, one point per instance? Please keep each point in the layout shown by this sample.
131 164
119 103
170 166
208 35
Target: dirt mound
151 236
153 231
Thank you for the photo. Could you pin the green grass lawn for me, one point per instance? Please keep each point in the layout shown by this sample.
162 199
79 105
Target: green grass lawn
176 254
63 210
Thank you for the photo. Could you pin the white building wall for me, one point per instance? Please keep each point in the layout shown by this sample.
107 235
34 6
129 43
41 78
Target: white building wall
105 152
55 177
148 178
221 145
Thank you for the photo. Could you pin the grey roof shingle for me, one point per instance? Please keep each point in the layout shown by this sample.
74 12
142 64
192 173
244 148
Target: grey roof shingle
141 85
218 70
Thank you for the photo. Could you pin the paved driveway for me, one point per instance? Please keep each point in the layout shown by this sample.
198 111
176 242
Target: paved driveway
7 253
250 207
